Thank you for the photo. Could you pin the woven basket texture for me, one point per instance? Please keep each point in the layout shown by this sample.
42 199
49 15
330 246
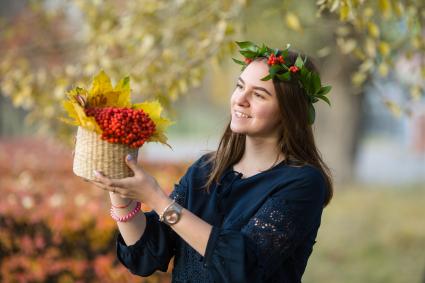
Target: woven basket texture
93 153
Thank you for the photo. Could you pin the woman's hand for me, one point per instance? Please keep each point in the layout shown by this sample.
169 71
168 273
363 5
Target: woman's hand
142 186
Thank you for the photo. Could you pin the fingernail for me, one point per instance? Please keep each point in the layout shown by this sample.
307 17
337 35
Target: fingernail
129 157
97 174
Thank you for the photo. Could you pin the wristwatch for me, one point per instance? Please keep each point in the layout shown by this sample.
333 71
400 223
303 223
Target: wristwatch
171 214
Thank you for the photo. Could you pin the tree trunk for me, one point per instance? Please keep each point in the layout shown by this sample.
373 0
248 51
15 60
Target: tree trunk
338 128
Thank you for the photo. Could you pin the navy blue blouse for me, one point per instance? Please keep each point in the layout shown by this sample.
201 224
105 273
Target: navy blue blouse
264 227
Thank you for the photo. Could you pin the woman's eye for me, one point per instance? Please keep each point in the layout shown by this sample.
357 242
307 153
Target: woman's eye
258 95
238 86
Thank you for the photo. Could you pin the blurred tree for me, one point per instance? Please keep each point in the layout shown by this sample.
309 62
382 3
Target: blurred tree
48 48
377 40
385 36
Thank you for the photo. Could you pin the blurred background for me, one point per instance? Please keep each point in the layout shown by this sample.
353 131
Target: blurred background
56 228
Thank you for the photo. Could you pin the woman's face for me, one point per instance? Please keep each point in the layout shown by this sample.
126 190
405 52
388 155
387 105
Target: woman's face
253 105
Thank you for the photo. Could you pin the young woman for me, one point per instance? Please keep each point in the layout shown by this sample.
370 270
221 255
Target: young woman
249 211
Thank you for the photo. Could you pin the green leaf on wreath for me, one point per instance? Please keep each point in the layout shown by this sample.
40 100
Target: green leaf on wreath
303 71
316 82
245 44
299 62
285 76
285 67
324 90
262 50
239 62
311 114
266 78
248 53
275 69
308 83
324 98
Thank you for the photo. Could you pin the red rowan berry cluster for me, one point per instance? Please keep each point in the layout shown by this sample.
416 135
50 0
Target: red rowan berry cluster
294 69
273 60
123 125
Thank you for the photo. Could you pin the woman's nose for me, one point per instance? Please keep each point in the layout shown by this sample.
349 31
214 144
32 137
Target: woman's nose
242 98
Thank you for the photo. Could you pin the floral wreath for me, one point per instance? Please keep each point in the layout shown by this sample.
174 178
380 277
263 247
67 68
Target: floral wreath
308 80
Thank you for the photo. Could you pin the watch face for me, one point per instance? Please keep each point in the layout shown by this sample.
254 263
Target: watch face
172 217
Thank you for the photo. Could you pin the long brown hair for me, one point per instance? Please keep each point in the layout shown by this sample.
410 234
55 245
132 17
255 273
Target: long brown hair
296 140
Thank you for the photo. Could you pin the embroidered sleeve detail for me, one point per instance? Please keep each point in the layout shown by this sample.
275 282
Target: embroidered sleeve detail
274 227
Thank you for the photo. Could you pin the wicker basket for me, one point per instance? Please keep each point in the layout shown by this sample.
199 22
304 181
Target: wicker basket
93 153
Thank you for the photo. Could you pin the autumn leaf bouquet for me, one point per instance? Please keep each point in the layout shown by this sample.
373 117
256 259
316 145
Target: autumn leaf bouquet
110 126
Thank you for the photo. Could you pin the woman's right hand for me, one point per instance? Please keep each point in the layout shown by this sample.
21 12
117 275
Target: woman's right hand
142 186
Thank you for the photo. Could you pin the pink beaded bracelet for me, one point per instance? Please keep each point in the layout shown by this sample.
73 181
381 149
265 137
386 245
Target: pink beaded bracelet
127 217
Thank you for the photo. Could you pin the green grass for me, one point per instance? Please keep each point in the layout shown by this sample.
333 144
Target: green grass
371 235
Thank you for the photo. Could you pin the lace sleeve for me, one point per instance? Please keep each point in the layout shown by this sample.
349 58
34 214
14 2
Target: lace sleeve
279 226
269 237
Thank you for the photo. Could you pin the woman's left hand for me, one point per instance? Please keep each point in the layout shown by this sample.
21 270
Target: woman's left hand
142 186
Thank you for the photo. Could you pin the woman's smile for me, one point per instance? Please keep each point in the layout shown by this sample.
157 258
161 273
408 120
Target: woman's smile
241 115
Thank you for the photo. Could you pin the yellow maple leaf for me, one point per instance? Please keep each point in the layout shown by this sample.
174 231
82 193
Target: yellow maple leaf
101 84
123 88
154 109
101 93
79 118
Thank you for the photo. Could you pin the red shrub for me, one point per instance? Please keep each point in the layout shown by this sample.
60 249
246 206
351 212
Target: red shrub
54 227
